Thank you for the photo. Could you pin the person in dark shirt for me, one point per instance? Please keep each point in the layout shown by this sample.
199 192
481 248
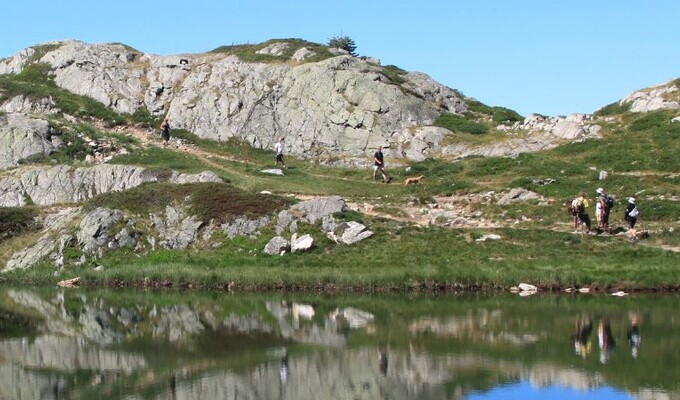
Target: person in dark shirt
165 131
379 165
631 216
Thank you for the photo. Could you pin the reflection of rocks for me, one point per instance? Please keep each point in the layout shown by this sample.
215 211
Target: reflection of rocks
178 323
67 354
546 375
17 382
84 346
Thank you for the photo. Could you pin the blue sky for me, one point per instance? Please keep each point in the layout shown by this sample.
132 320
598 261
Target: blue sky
553 57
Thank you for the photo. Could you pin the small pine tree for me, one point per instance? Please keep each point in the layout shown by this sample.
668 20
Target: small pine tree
343 42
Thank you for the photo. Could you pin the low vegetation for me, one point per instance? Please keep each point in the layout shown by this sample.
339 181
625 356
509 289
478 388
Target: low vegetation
17 220
460 123
249 52
206 201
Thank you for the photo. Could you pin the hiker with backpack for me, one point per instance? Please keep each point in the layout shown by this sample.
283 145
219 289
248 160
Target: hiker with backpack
631 215
603 207
578 209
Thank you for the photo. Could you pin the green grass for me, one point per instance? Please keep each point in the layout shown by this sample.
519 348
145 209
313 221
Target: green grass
207 201
402 260
394 74
248 52
499 115
459 123
613 109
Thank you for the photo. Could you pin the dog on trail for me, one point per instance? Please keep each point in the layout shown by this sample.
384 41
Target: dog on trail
413 180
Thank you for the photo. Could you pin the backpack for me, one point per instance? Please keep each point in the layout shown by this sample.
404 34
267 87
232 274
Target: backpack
609 200
579 209
575 208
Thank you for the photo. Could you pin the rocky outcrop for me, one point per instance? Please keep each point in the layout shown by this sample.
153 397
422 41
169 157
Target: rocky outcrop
572 127
243 226
313 210
518 195
661 97
22 136
535 133
54 239
176 229
95 228
341 106
24 104
68 184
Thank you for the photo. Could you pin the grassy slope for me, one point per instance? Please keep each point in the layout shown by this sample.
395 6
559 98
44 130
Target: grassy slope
639 151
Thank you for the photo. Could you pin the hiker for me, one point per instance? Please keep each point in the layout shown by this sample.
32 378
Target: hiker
578 209
581 337
605 340
165 131
633 334
278 148
631 215
379 165
604 205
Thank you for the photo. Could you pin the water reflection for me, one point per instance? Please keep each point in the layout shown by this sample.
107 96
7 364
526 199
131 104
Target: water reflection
169 345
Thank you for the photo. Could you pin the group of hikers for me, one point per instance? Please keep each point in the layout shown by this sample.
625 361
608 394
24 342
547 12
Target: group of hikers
578 207
604 203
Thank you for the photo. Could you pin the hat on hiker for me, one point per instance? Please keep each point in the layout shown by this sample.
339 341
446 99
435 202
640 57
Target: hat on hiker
631 200
599 191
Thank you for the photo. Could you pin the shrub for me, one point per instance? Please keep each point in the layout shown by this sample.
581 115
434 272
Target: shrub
343 42
394 74
249 52
17 220
458 123
207 201
613 109
499 115
650 120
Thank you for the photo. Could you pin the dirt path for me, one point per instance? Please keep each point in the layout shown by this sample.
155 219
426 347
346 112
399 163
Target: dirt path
452 211
150 138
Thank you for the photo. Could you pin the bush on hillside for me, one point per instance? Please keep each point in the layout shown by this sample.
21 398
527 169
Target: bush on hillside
343 42
613 109
206 201
459 123
17 220
499 115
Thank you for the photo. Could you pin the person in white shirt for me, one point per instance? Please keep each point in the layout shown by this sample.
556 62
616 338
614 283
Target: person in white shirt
279 147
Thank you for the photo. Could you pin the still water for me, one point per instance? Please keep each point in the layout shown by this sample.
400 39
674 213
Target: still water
80 344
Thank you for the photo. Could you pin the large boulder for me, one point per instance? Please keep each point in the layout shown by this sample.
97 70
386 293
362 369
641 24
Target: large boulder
314 210
23 136
277 245
351 232
95 228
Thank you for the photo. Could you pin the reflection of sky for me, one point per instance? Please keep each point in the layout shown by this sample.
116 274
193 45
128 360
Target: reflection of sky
525 390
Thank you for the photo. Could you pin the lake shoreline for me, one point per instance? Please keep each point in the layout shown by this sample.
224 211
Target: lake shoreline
413 287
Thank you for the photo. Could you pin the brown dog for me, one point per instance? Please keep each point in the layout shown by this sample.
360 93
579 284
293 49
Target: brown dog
413 180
